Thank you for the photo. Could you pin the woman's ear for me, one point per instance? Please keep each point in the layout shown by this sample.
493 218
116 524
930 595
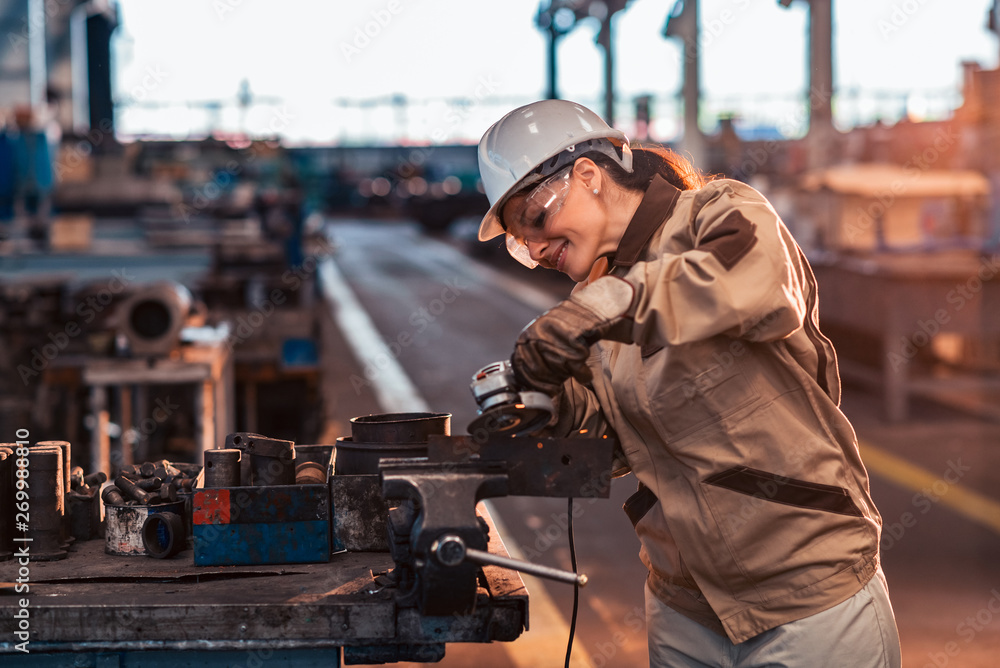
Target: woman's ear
588 173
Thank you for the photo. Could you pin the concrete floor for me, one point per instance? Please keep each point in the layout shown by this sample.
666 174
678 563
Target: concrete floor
444 313
934 478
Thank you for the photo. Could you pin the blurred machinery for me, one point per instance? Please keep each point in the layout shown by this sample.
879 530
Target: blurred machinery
151 319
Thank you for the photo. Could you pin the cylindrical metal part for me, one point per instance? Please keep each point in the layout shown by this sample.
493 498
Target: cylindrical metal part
222 468
153 317
45 501
66 460
149 484
399 427
355 458
95 479
80 509
147 469
112 496
488 558
321 454
310 473
6 503
266 471
132 491
163 535
168 493
124 527
387 435
62 447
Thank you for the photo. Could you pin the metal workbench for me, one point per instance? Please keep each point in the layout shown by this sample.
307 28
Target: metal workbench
94 609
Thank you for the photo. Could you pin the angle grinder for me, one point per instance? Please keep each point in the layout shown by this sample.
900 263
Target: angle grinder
505 408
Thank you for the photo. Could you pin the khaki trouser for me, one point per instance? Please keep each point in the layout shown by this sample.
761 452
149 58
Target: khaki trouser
858 633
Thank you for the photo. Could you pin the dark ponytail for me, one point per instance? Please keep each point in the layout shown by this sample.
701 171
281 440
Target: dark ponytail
647 161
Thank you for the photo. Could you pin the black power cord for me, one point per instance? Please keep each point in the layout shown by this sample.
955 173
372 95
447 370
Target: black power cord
576 587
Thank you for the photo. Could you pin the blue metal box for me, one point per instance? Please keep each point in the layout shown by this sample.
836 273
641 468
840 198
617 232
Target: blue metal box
278 524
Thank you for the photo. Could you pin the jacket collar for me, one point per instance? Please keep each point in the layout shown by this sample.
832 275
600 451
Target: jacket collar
656 206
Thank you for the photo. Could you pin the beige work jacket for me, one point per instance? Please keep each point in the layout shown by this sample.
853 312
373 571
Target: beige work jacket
754 506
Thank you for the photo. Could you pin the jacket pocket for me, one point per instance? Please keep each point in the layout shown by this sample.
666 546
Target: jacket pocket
650 349
637 505
782 534
789 491
702 400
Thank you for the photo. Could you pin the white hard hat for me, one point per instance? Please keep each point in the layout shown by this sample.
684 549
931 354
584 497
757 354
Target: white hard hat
517 149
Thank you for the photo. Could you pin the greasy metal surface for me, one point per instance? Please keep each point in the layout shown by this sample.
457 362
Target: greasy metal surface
6 503
45 499
222 467
307 605
567 467
321 454
262 525
354 458
446 494
272 654
123 533
399 427
359 513
251 443
284 503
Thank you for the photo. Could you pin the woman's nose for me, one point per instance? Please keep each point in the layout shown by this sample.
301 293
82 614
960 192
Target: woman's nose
536 248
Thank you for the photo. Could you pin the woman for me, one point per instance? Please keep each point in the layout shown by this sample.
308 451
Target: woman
693 335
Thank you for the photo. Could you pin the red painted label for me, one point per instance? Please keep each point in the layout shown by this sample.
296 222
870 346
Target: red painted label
211 506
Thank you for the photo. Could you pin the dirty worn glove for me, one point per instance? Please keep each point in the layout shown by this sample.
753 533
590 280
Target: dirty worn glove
554 346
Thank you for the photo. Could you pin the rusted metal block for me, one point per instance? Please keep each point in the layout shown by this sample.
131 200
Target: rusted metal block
281 524
359 513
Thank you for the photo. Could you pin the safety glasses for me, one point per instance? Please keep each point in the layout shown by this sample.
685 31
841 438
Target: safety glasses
544 201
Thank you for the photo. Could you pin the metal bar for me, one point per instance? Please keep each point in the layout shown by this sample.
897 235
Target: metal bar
481 557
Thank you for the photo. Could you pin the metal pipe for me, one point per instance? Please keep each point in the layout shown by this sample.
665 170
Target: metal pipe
222 468
45 500
481 557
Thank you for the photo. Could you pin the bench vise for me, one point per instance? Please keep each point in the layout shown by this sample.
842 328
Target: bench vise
437 540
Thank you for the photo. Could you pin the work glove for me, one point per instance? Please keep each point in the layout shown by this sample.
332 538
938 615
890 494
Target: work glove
555 346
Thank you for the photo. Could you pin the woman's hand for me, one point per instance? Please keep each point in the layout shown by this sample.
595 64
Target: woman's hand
555 345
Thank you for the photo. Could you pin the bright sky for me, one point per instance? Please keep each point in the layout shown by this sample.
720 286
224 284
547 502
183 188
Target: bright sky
310 63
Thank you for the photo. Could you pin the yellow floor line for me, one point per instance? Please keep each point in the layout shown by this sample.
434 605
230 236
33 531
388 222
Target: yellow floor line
972 505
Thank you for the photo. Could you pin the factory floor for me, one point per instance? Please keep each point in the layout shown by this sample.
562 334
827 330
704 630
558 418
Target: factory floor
935 477
413 317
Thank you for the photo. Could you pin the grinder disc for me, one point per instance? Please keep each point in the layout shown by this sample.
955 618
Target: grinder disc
531 414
